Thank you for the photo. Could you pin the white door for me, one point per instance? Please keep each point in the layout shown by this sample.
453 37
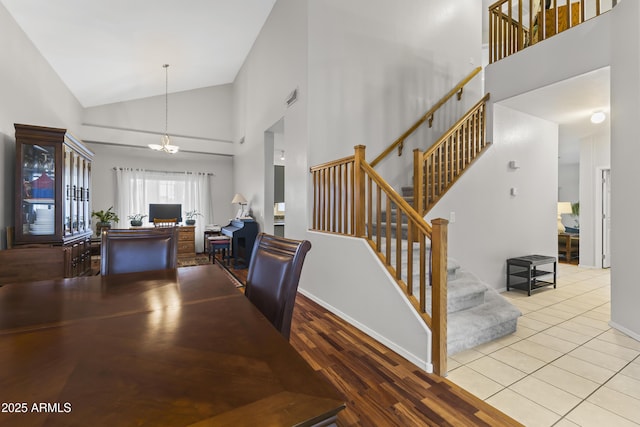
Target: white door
606 217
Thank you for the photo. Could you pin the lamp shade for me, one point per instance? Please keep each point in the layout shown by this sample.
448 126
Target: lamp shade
239 198
563 208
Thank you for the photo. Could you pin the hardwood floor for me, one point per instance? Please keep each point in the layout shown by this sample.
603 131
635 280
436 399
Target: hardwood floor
380 387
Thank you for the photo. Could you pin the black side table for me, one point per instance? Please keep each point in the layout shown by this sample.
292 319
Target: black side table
523 272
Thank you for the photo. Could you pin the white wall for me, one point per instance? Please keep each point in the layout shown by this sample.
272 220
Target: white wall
31 93
490 224
200 120
375 67
569 182
595 155
276 65
625 152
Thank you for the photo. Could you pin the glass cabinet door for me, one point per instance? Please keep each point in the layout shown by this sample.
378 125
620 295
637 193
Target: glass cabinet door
38 166
74 193
66 187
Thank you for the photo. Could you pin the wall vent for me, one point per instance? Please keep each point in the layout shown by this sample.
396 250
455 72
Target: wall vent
292 97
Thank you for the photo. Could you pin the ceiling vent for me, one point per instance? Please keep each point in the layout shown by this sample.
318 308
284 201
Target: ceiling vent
292 97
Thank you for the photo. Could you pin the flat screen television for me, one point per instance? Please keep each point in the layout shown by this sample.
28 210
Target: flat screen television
165 211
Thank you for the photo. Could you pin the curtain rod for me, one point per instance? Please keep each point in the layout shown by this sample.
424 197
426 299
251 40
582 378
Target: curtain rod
167 172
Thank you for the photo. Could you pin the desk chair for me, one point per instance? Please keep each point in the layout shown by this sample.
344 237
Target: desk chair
128 251
167 222
273 276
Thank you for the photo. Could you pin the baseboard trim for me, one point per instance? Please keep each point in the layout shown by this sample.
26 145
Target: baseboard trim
420 363
624 330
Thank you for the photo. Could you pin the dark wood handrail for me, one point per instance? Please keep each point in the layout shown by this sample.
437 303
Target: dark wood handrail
427 116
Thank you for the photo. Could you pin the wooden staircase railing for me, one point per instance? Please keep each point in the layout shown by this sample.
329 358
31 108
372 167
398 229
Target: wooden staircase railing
428 116
517 24
349 197
438 168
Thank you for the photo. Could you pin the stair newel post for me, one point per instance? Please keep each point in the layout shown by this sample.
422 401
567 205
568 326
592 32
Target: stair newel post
439 293
359 189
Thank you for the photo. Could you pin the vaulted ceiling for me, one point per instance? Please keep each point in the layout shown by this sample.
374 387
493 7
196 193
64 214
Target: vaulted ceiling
107 51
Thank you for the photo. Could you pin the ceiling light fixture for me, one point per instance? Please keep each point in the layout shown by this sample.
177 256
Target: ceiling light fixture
597 117
165 141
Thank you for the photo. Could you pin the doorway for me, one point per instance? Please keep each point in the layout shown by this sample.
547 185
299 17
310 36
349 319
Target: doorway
274 160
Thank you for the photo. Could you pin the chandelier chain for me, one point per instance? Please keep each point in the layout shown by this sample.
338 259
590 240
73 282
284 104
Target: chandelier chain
166 98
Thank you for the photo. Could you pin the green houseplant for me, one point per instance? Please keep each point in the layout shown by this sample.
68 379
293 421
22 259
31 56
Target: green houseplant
136 219
191 216
104 219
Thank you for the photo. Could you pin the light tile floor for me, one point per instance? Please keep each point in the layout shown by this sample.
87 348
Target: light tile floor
564 366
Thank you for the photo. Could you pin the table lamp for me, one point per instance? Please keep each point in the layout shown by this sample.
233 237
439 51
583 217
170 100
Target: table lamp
239 199
563 208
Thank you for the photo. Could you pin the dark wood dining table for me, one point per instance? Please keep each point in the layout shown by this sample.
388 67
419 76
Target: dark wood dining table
163 348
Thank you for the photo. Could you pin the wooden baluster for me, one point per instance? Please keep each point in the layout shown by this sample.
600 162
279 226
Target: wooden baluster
339 188
398 243
418 182
387 230
359 190
423 272
353 198
379 217
334 189
315 199
410 257
369 207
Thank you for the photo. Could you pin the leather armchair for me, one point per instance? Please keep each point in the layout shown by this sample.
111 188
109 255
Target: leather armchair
128 251
273 276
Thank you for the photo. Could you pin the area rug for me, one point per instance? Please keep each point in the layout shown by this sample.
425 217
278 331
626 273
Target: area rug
200 259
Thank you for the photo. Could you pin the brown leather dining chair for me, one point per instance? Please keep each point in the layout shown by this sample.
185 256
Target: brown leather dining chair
273 276
128 251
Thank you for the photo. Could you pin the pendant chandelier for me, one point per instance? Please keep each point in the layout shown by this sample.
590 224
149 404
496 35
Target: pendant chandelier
165 141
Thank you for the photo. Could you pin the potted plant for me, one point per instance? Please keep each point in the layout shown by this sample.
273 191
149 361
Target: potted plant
191 217
136 219
104 219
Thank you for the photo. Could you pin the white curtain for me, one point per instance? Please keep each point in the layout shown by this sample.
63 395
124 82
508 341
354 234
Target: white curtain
137 188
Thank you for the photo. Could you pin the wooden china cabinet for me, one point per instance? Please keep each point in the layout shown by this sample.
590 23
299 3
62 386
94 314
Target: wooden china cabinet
53 203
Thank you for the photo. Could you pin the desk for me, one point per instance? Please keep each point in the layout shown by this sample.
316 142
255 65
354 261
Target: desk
163 348
186 241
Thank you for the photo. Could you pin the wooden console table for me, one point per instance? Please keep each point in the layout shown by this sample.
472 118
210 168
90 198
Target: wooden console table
569 247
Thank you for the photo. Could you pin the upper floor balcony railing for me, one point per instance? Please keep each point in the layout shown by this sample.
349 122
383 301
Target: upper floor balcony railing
517 24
